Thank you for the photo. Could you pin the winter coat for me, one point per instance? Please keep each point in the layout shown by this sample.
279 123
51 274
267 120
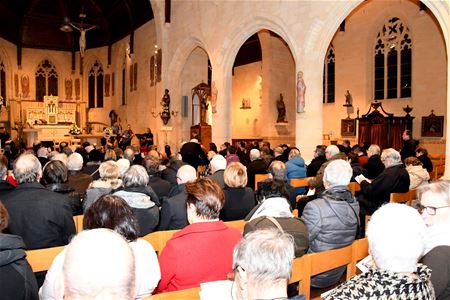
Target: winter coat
332 222
16 277
296 169
98 188
418 176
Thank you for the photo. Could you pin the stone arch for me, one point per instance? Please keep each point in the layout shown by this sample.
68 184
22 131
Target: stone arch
252 26
181 56
9 72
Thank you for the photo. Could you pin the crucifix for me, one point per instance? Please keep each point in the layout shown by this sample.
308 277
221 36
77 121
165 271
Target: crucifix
82 36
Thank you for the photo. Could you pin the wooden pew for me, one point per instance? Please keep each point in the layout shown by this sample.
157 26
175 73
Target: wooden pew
159 239
78 220
300 182
406 198
187 294
354 187
41 259
259 178
239 224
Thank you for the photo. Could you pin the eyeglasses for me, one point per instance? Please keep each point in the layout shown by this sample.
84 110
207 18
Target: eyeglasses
429 209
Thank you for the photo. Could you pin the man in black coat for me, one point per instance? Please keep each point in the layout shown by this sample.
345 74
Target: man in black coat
160 186
41 217
173 209
374 165
193 154
394 179
256 166
409 145
318 160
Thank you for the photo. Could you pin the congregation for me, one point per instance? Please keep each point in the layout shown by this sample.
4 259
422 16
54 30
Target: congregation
126 194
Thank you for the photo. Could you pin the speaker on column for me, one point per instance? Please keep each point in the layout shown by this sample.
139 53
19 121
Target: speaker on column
184 106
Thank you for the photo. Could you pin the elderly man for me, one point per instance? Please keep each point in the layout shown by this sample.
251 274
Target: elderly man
77 180
374 165
393 179
331 153
173 209
318 160
217 166
92 270
278 170
160 186
262 263
332 219
256 166
41 217
193 154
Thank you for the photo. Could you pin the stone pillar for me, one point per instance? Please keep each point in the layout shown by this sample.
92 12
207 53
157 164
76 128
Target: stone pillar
221 121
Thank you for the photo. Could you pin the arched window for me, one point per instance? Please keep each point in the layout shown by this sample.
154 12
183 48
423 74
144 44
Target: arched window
329 76
2 83
95 85
392 58
46 80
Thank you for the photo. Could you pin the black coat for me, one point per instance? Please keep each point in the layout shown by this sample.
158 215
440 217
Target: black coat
258 166
170 173
374 166
314 166
238 203
409 149
173 212
79 181
16 277
394 179
426 161
160 186
72 197
193 154
41 217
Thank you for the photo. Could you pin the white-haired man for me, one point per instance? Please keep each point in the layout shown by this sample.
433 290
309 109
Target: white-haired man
395 251
257 165
217 166
173 209
393 179
374 165
332 219
332 152
76 178
262 263
41 217
92 270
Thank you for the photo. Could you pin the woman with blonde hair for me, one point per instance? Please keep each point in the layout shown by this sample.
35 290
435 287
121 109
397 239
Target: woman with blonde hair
239 199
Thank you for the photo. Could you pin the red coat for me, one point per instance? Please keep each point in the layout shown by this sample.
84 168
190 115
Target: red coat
200 252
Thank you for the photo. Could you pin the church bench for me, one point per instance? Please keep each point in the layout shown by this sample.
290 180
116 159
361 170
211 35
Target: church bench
41 259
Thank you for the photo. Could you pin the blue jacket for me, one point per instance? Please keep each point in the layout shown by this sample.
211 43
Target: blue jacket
296 169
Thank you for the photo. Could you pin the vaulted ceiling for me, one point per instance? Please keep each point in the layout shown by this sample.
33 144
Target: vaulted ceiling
37 23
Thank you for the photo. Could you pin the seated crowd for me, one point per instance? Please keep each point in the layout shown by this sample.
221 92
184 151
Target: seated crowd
125 195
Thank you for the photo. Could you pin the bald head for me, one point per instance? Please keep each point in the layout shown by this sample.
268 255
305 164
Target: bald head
186 173
92 270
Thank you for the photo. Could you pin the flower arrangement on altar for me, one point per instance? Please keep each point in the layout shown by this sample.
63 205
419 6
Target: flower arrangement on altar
74 129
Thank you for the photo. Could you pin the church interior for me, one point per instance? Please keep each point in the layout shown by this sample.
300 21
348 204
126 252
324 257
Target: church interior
97 58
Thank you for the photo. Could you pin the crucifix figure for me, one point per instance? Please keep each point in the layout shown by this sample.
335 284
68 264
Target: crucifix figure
82 37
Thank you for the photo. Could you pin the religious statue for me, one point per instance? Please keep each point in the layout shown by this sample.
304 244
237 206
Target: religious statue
214 97
25 85
348 99
77 89
16 85
68 85
301 89
107 83
203 110
82 39
281 107
165 103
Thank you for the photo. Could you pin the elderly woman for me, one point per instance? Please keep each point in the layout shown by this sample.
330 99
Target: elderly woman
435 209
332 219
296 168
203 250
141 198
275 212
239 199
114 213
109 181
395 252
54 176
418 175
262 262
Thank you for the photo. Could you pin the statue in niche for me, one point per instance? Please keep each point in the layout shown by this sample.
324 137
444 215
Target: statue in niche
68 86
77 89
348 99
16 85
25 81
203 110
281 107
214 93
301 89
107 83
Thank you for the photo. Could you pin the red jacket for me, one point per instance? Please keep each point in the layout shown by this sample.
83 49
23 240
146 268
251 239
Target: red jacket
200 252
